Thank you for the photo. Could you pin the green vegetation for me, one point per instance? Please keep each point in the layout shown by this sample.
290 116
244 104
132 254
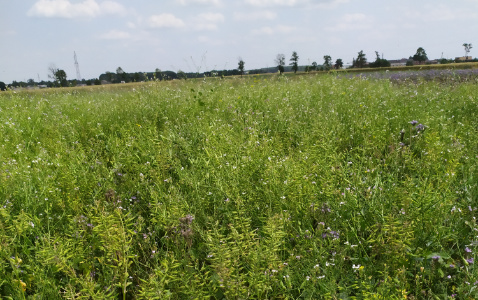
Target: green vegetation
240 188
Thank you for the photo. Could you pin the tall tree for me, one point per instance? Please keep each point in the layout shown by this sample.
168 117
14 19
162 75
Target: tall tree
157 74
420 56
467 48
294 59
240 66
379 62
361 60
314 66
280 62
52 69
60 76
339 63
123 76
3 87
327 62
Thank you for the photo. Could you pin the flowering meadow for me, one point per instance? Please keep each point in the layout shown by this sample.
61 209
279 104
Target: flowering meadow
301 187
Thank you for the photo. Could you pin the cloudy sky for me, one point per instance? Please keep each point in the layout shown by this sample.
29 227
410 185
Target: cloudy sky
200 35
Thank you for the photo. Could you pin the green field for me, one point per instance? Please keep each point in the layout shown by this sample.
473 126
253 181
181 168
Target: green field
305 187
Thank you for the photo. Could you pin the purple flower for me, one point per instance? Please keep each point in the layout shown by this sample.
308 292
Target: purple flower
420 127
414 122
468 250
436 257
470 260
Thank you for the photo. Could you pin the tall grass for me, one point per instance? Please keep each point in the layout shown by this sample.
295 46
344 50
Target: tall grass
305 187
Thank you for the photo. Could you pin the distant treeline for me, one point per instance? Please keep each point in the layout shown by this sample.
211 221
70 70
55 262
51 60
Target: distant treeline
119 77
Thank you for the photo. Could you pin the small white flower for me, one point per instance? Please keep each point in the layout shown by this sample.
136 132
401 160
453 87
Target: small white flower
355 266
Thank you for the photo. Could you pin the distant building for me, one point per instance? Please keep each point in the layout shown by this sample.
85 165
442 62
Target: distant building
463 58
398 62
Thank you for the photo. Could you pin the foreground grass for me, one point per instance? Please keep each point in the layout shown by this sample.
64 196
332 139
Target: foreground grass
305 187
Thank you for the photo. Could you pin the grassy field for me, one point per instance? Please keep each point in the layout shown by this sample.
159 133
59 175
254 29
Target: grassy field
307 187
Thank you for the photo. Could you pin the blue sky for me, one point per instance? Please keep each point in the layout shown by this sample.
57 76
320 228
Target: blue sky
200 35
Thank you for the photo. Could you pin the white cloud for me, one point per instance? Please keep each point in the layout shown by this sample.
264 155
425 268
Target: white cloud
329 4
165 21
272 30
208 21
206 2
351 22
211 17
66 9
320 4
255 15
275 2
111 7
115 35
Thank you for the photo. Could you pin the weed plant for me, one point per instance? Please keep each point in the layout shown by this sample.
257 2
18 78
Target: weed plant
312 187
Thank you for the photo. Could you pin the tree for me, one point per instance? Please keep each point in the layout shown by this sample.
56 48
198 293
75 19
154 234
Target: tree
314 66
3 87
280 62
182 75
57 75
467 48
339 63
380 62
52 69
240 66
361 60
122 75
60 76
158 75
294 61
420 56
327 62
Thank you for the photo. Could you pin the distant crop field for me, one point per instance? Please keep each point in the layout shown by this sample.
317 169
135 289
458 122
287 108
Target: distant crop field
278 187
